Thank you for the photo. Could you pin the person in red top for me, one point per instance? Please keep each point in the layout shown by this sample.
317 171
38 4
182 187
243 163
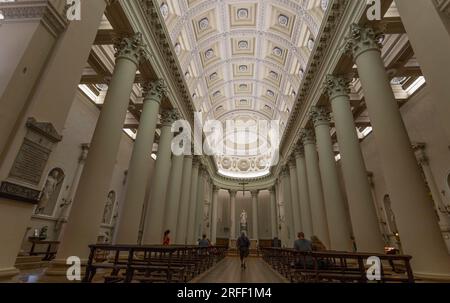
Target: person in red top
166 239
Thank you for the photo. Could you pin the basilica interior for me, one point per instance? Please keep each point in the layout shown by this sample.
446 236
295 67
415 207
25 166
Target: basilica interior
354 97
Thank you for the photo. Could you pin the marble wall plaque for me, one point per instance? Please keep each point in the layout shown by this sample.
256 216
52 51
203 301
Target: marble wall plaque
19 192
30 162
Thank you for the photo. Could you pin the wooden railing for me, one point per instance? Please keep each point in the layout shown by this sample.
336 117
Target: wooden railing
301 267
50 250
150 264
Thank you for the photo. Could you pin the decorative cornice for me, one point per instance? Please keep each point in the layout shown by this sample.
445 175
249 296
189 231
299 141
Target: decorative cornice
35 11
325 37
45 129
157 28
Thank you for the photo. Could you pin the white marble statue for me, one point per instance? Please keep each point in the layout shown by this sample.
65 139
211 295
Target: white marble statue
108 207
244 217
49 188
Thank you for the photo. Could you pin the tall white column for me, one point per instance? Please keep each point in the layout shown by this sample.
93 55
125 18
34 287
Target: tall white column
232 214
429 35
215 199
318 212
273 212
296 214
442 210
363 214
87 211
303 190
200 204
138 172
153 233
190 236
334 199
180 235
287 213
255 230
411 203
172 207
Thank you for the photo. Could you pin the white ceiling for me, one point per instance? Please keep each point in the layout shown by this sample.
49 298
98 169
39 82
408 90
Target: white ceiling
243 59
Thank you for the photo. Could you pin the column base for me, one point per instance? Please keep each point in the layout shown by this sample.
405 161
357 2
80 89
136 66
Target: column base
8 273
57 272
432 277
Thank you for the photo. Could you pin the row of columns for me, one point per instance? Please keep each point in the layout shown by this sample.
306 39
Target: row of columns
254 220
167 207
323 211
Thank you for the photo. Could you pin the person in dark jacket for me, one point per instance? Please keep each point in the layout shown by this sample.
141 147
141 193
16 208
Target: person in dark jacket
243 245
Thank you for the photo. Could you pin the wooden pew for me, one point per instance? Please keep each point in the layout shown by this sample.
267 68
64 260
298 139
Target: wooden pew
331 266
150 264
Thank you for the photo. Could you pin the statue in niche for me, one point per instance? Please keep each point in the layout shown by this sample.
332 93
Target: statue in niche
244 217
43 233
243 221
108 207
50 192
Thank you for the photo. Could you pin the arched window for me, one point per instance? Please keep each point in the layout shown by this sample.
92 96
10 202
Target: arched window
50 192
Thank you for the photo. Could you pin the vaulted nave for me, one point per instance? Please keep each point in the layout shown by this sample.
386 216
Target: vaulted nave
224 141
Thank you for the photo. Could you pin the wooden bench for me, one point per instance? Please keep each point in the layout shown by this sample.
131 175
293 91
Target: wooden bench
150 264
332 266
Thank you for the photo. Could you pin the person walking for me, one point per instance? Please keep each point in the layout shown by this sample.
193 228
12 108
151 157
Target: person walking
243 245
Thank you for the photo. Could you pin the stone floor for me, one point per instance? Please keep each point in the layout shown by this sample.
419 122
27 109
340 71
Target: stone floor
229 271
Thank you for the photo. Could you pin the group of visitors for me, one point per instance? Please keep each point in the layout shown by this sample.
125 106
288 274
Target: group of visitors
203 242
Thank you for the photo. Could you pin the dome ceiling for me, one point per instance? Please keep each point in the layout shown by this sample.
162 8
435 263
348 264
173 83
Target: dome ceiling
243 56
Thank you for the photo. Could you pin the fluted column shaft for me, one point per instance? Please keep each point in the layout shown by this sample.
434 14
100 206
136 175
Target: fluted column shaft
233 214
305 207
255 215
180 235
362 210
273 212
287 206
138 172
190 236
87 211
318 212
411 202
172 207
334 199
156 205
200 205
215 199
296 215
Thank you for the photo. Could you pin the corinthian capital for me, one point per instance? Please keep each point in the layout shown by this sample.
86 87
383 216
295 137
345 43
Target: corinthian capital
362 38
154 90
307 136
320 115
168 117
131 48
336 86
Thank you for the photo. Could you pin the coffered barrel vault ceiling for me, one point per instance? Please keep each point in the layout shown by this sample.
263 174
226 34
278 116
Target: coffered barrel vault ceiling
243 59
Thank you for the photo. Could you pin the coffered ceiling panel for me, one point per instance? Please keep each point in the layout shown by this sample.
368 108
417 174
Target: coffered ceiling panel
243 56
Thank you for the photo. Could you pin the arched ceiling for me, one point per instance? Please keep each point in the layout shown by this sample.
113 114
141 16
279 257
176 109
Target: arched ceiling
243 56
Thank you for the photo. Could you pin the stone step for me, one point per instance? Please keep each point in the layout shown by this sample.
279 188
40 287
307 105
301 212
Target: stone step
30 262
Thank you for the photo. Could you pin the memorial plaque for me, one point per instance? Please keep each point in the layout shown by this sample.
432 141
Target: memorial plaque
19 192
30 162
